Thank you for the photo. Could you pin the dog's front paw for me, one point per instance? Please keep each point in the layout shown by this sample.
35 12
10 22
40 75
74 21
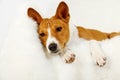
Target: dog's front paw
101 61
69 58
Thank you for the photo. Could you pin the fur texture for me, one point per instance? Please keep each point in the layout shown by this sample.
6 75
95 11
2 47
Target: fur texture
22 57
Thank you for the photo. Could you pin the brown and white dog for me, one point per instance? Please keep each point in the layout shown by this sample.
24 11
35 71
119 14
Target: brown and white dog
54 34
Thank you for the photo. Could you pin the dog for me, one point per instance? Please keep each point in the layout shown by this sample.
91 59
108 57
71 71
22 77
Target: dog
54 34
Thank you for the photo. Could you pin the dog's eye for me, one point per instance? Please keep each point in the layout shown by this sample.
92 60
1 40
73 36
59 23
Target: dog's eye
58 29
42 34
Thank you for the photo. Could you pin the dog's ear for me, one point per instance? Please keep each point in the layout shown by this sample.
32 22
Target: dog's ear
62 12
35 15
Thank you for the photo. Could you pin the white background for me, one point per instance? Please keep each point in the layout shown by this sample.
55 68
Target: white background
22 59
8 12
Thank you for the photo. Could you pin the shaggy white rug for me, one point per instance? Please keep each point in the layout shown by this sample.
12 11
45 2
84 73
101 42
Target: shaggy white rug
22 57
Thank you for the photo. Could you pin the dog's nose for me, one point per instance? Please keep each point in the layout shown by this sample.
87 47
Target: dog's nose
52 47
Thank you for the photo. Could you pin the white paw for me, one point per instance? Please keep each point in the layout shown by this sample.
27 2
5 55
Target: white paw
69 58
97 53
100 60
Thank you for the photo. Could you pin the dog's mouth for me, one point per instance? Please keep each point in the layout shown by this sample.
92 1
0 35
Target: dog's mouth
57 52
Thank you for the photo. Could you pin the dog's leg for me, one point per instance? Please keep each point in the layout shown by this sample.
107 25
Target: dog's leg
97 53
68 56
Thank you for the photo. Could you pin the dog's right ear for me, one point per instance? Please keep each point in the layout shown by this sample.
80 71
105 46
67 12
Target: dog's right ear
35 15
63 12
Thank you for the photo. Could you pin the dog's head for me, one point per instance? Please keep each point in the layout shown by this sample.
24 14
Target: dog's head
53 32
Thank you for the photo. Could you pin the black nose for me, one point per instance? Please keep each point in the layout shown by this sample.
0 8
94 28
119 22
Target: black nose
52 47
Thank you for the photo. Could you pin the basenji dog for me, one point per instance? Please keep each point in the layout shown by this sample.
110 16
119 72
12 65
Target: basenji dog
54 34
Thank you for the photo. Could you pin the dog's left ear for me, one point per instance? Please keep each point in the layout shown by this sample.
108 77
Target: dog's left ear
35 15
63 12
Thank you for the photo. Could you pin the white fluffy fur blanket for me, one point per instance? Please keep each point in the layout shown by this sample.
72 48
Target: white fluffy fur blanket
22 57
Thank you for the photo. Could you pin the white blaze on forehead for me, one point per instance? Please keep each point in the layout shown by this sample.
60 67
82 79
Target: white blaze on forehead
50 39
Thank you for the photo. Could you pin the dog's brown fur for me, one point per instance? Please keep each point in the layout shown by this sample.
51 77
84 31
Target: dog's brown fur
58 19
61 19
92 34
